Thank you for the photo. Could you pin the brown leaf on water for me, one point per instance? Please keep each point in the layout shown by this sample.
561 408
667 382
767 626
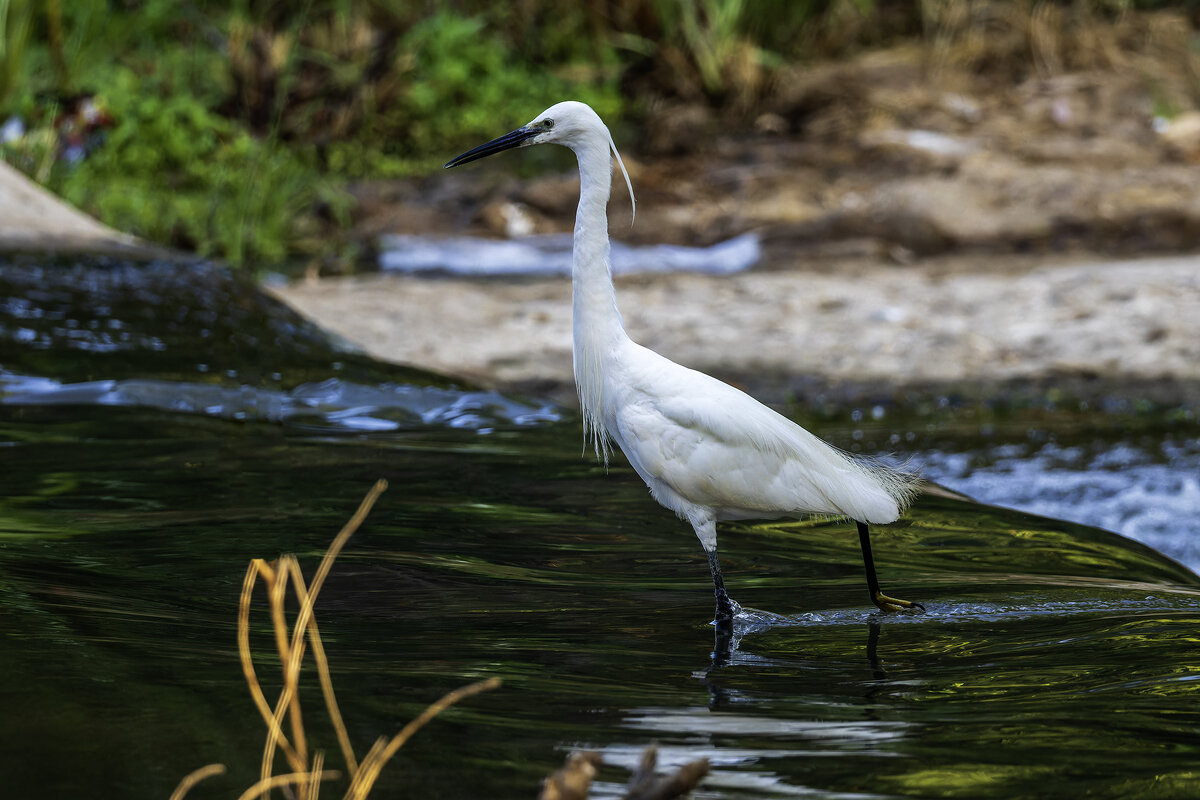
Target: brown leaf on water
647 784
573 781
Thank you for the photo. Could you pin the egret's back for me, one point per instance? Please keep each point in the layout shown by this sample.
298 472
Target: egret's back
696 439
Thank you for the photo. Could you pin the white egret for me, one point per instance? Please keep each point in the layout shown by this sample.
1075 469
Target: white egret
708 451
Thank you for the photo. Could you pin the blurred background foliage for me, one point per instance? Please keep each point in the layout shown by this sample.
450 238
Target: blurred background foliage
232 127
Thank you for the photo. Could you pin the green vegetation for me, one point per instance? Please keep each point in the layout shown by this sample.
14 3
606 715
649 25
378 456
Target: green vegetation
232 127
229 130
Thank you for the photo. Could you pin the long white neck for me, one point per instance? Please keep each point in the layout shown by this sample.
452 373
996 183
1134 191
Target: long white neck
596 321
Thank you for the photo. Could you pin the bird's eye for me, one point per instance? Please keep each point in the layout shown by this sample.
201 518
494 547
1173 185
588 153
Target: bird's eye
547 123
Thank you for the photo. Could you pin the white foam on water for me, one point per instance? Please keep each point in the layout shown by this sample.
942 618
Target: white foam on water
334 405
1149 493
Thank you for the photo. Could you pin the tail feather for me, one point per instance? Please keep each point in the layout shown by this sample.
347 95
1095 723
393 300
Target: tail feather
901 483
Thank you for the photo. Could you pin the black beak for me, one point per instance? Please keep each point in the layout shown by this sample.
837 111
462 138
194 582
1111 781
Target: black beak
506 142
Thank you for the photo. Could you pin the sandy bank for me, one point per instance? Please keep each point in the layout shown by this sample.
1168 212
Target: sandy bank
942 321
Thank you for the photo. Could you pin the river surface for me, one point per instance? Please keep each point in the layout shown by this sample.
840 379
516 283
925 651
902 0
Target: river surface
162 425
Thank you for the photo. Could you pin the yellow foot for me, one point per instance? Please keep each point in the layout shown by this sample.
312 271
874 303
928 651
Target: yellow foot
886 603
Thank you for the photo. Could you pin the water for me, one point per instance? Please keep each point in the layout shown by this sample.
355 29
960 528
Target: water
550 254
1055 659
1145 488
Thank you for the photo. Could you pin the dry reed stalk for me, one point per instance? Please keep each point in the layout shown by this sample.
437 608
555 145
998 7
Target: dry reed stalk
290 643
194 777
289 695
331 704
259 568
315 784
291 651
256 568
360 787
288 779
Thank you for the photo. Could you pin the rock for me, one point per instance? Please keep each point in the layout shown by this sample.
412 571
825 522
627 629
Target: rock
1181 137
32 219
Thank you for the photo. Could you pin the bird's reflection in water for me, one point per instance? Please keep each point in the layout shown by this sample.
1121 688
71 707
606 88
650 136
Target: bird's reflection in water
727 648
873 649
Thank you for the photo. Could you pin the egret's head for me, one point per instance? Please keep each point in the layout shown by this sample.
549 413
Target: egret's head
569 123
566 123
562 123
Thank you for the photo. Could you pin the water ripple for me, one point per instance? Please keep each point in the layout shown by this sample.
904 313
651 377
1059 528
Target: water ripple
332 405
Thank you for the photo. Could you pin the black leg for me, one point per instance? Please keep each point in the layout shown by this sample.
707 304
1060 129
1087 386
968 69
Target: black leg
878 597
864 539
726 608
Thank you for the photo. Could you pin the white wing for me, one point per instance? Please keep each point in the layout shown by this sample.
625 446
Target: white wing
718 448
